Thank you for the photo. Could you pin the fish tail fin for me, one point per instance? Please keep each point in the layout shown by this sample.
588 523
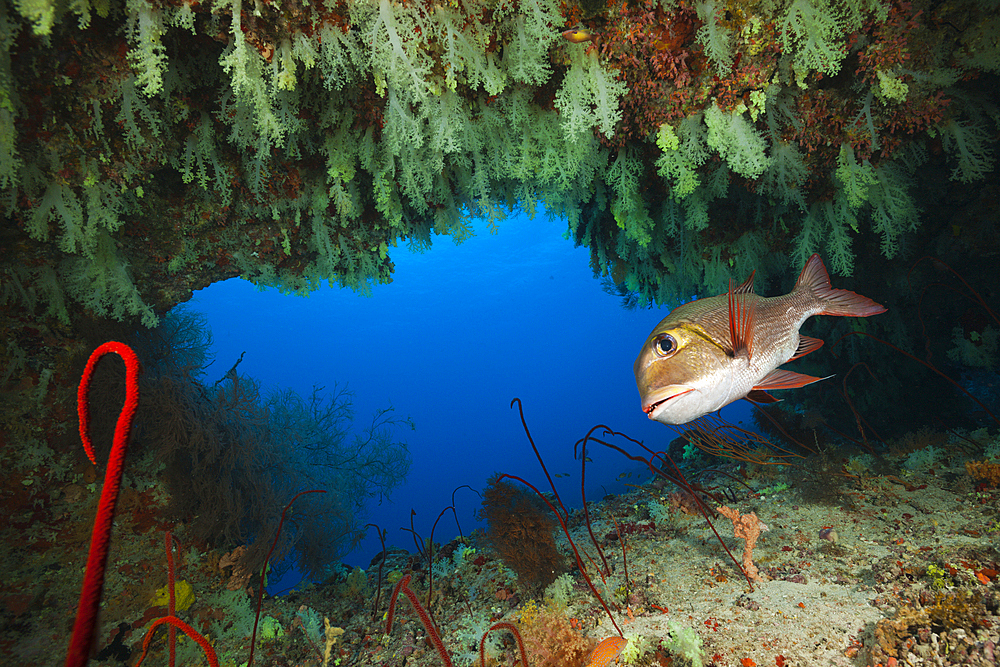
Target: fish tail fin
833 301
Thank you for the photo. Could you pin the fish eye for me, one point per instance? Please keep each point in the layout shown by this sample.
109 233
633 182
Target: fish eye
664 345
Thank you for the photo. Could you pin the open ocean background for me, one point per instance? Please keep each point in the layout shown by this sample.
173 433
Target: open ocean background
460 331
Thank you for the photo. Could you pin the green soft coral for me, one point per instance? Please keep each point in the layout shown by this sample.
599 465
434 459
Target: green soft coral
529 36
811 31
628 207
396 55
41 14
590 96
254 90
463 42
147 56
683 151
736 140
685 642
855 178
840 220
104 284
968 144
890 87
786 175
893 210
388 121
714 37
815 32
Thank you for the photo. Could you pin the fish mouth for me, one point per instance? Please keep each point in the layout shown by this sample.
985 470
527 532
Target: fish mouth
660 398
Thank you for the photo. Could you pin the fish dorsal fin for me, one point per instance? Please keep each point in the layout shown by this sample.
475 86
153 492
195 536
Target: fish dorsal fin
741 315
746 287
782 379
806 345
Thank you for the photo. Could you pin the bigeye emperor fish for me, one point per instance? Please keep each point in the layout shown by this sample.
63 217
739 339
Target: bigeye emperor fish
710 352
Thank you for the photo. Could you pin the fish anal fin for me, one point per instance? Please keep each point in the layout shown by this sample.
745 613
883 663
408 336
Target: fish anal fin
782 379
742 310
761 397
806 345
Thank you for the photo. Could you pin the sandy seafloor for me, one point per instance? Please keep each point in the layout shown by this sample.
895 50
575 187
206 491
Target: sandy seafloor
912 576
823 601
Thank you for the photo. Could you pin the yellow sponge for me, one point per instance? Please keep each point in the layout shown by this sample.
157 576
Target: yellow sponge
183 594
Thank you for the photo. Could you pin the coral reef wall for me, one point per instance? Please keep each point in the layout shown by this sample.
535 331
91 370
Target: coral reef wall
148 148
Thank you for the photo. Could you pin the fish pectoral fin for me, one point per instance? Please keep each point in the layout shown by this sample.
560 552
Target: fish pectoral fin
806 345
782 379
761 397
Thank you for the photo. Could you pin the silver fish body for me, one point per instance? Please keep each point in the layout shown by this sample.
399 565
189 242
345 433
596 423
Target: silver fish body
710 352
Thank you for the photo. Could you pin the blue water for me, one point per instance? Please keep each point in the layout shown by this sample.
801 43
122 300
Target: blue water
460 331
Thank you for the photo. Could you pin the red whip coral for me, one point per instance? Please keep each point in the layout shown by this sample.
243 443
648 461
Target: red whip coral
186 629
263 571
404 587
100 541
502 625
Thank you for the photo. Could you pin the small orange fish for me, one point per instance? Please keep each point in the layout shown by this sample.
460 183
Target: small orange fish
578 35
607 652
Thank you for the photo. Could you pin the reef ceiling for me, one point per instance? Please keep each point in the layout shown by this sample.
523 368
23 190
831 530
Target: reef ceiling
148 149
